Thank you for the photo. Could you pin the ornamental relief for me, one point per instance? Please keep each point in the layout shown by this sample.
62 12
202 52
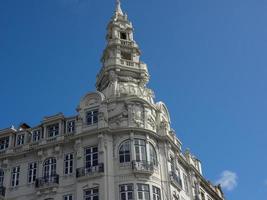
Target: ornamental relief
137 113
135 90
118 115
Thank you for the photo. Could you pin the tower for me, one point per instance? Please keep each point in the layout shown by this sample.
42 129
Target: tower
118 146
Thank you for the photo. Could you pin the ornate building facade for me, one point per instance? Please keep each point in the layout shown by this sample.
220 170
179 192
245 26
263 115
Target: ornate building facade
119 146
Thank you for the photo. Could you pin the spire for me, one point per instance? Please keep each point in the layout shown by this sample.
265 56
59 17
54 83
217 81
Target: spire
118 7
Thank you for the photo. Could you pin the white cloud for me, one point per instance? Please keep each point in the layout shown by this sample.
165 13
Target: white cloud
228 180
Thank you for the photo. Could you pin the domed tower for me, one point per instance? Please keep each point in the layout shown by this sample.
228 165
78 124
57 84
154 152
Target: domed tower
119 145
137 152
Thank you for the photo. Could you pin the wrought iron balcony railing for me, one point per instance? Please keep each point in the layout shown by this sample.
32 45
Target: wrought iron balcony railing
2 191
87 171
143 166
47 181
175 179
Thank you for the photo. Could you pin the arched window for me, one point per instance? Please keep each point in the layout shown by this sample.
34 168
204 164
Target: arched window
143 152
125 152
49 167
1 177
153 155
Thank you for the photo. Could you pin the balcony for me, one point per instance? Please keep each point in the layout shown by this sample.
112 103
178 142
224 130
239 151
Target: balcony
92 171
2 192
176 180
48 181
145 167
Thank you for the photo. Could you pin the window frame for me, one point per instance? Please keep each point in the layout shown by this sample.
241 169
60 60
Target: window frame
49 167
20 139
143 192
71 126
92 162
92 195
53 130
156 193
125 34
15 176
123 152
92 117
36 135
4 143
2 177
68 197
68 163
126 191
32 172
142 150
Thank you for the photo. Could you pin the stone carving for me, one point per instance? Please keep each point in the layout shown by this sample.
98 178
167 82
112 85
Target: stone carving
135 90
137 113
128 79
151 121
90 102
118 116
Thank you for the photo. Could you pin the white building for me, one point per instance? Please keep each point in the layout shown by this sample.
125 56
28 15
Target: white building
119 146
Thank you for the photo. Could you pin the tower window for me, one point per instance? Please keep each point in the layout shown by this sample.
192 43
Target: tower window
123 35
126 56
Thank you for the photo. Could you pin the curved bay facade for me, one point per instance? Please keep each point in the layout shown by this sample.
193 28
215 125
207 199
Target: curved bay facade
119 146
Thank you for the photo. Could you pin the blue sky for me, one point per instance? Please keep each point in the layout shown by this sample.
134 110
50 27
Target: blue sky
207 61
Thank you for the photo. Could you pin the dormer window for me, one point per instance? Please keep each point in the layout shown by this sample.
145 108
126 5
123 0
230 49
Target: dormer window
36 135
70 126
4 142
126 56
123 35
53 130
92 117
20 139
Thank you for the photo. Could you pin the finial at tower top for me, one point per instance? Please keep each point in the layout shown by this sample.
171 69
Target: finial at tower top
118 7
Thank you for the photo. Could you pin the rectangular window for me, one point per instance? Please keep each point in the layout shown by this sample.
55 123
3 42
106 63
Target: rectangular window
53 130
91 157
4 142
68 197
172 164
202 195
126 56
36 135
68 163
125 152
15 176
92 117
156 193
70 126
186 187
140 150
126 192
91 194
143 192
20 139
2 176
32 172
123 35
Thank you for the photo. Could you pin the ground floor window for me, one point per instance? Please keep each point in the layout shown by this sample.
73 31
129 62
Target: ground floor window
143 192
126 192
68 197
91 194
156 193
